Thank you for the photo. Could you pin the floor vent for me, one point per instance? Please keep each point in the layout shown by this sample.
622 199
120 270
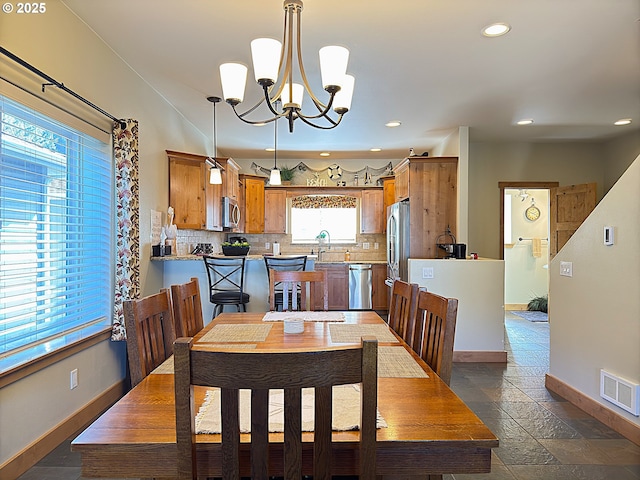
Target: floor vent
620 392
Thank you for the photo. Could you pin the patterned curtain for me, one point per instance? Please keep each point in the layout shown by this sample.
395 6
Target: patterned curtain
323 201
127 274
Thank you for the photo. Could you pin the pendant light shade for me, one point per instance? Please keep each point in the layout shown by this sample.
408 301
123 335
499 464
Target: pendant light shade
275 179
215 176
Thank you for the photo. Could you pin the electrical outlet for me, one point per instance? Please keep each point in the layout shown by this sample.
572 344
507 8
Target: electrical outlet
73 379
566 269
267 245
365 246
376 246
427 272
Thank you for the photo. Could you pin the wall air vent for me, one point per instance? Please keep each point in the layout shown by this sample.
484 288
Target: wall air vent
620 392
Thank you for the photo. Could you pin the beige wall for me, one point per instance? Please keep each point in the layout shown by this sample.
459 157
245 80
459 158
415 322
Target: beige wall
594 316
64 48
490 163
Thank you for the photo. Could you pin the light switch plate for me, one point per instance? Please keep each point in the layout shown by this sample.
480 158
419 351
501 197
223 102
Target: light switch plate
566 269
427 272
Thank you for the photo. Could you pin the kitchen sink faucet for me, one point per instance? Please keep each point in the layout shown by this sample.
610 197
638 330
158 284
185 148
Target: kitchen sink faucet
321 241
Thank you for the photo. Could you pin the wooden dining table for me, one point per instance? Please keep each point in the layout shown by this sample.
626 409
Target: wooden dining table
429 429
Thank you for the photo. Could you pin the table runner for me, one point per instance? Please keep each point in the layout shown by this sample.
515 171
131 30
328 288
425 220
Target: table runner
228 332
346 410
396 362
350 333
306 316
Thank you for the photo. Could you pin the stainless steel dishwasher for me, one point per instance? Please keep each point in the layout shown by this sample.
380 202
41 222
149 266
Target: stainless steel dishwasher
360 286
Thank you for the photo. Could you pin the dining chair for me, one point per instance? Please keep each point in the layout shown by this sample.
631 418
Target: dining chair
403 297
308 284
187 308
260 372
226 282
435 320
298 263
150 332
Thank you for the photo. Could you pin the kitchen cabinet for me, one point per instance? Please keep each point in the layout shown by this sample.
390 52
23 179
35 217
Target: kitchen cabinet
230 178
431 184
389 196
379 291
372 216
338 278
195 201
253 201
275 210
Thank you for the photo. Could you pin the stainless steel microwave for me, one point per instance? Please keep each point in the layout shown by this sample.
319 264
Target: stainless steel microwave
230 213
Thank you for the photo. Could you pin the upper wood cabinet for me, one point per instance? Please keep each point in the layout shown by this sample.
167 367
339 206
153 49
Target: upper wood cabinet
188 194
432 184
275 210
372 212
389 194
230 180
252 191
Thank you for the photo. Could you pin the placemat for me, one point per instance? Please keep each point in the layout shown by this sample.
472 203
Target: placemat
306 316
346 410
230 332
396 362
349 333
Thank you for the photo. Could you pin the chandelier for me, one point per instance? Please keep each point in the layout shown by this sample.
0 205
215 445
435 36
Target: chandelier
273 62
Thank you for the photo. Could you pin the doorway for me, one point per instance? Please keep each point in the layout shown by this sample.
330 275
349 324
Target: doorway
524 238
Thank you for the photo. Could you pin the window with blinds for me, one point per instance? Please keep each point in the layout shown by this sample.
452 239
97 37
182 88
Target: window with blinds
56 211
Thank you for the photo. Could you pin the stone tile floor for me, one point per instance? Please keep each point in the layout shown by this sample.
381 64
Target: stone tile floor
541 435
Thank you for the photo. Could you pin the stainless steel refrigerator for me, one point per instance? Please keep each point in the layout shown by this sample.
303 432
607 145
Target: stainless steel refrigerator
397 242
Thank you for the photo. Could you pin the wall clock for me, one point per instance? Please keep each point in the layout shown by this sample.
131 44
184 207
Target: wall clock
335 172
532 213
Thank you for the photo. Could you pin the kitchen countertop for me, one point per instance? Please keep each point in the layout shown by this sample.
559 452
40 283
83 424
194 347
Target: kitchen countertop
169 258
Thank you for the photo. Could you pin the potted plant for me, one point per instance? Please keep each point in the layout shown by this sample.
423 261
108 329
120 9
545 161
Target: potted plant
235 249
287 174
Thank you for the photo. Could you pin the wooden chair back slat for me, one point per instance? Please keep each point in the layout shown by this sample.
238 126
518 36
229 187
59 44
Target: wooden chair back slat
187 308
310 283
435 322
261 371
403 297
150 331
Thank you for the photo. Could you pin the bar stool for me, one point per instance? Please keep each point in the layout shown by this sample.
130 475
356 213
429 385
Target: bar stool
226 282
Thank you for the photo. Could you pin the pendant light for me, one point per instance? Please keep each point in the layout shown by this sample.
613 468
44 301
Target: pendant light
215 177
274 179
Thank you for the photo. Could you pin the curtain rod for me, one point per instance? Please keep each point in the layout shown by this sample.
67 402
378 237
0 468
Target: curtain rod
55 83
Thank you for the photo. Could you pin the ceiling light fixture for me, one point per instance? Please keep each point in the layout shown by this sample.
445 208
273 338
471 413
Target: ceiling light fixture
375 149
325 154
272 58
496 29
623 121
393 123
274 178
215 177
525 121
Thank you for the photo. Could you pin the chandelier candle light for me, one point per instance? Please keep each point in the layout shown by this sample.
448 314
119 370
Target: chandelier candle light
271 59
215 177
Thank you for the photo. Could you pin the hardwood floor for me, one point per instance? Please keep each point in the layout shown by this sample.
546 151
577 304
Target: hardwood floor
541 435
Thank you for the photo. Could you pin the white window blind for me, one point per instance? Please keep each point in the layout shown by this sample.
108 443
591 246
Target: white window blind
56 211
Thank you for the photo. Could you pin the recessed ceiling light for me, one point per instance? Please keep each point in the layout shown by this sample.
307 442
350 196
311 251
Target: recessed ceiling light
269 149
325 154
393 123
375 150
496 29
623 121
525 121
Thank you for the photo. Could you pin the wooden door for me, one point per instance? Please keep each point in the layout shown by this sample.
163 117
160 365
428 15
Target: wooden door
569 207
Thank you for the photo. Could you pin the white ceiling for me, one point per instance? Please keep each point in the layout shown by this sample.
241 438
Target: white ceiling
571 65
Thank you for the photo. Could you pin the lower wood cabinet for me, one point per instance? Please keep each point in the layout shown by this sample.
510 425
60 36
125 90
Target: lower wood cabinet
379 291
338 278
